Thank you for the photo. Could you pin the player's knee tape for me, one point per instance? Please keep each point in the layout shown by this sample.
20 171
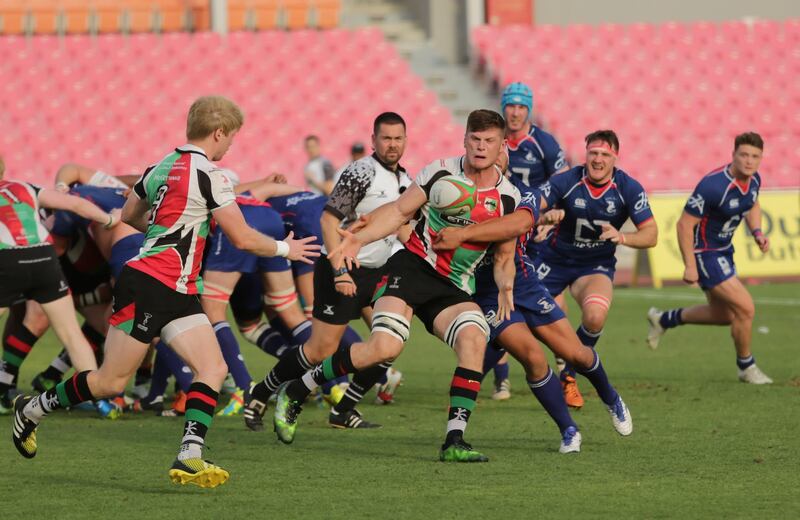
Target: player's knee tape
281 300
393 324
252 332
176 327
101 294
216 292
596 299
463 320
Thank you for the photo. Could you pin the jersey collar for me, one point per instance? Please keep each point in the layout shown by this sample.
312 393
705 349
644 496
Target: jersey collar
744 187
386 167
190 148
598 191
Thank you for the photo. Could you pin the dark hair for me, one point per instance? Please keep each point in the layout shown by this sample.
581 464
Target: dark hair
607 136
751 138
387 118
311 137
483 119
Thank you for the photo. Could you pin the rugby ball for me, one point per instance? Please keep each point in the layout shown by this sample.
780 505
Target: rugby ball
453 196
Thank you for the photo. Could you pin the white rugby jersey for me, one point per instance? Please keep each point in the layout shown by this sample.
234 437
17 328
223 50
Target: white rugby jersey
364 186
103 180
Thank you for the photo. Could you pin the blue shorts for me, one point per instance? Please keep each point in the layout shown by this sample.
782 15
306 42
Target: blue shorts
714 267
246 301
306 224
556 273
122 251
533 305
224 257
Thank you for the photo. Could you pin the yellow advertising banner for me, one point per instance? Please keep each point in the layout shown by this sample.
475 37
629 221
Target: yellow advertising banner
780 222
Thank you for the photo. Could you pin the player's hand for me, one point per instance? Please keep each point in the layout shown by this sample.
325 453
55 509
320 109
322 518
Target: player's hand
448 238
541 233
553 216
611 233
762 241
302 249
344 284
116 218
277 178
346 253
690 275
505 302
358 225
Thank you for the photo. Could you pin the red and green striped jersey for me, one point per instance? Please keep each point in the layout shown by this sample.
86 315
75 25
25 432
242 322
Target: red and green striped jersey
458 265
20 224
183 189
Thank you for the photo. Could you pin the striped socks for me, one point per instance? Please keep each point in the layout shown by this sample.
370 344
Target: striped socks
200 403
70 392
16 347
671 318
464 390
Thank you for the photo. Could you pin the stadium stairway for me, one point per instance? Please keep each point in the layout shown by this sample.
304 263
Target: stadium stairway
455 85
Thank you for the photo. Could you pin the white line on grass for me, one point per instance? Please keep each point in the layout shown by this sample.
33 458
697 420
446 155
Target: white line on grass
659 295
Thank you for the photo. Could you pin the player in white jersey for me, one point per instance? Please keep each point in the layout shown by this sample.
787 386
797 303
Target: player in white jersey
341 295
434 286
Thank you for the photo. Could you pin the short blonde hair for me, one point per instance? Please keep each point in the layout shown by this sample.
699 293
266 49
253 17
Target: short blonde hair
210 113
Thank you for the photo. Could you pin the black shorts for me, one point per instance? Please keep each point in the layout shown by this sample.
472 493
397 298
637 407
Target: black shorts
334 307
31 273
417 283
143 306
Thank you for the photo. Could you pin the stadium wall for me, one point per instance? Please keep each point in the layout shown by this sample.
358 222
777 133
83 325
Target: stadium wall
564 12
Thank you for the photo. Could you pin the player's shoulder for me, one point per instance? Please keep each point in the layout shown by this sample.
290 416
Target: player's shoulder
757 179
545 139
568 178
625 180
717 178
439 168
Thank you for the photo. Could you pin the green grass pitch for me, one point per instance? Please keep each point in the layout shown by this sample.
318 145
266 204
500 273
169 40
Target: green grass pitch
704 445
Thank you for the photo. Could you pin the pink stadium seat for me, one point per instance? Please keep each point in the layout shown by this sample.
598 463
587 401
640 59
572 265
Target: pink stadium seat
690 86
114 101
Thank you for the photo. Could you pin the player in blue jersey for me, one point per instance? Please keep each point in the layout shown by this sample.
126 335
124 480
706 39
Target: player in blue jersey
597 198
537 314
721 200
533 157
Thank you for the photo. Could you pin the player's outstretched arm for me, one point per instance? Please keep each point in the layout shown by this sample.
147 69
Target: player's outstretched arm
504 274
53 199
243 237
494 230
685 227
384 221
753 219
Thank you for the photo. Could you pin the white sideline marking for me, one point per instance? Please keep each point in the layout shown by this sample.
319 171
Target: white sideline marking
659 295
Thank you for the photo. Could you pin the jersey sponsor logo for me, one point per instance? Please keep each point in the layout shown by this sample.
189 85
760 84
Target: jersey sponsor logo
642 203
492 318
490 204
734 203
62 286
561 161
545 188
611 206
143 325
457 221
542 271
529 157
328 310
546 305
580 203
724 265
395 282
696 202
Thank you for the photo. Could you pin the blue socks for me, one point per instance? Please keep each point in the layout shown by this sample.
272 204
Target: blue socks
492 356
670 319
548 392
597 376
232 355
587 338
167 362
744 362
272 342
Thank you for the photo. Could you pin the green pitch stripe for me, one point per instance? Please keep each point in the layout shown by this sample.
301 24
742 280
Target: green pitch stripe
12 359
327 369
193 414
462 402
62 394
